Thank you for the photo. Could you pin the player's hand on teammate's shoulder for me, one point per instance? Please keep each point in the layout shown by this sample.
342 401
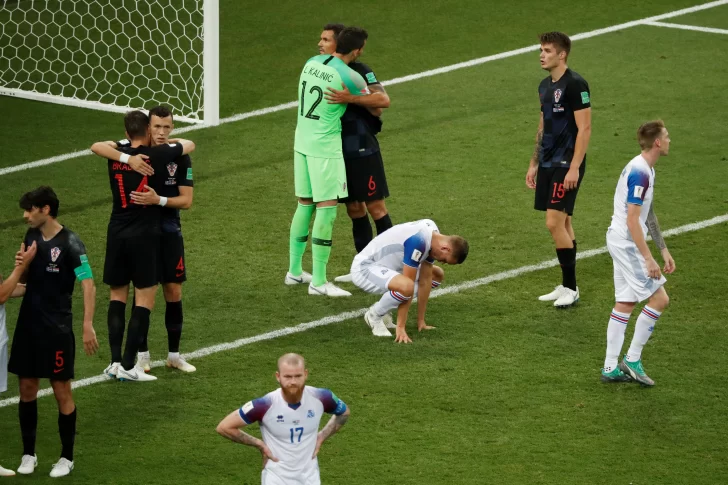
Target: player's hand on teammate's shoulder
25 255
335 96
139 164
422 325
402 337
149 197
669 262
90 344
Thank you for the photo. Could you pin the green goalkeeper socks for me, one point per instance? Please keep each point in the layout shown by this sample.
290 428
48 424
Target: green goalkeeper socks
299 237
323 227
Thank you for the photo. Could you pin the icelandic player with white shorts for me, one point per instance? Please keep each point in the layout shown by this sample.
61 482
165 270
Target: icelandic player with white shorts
398 264
637 275
11 288
289 420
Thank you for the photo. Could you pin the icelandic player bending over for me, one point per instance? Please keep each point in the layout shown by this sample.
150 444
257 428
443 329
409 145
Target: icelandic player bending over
399 265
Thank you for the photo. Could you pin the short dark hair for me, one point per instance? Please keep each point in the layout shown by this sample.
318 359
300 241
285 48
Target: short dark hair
558 39
136 124
649 132
336 28
460 248
40 197
160 112
350 39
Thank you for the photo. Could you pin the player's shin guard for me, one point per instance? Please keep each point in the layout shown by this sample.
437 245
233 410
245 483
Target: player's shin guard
173 320
323 228
642 332
383 223
299 237
116 322
138 326
567 260
615 339
390 301
28 415
362 232
67 430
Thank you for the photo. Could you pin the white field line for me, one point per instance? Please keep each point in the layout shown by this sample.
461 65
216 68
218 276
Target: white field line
341 317
695 28
391 82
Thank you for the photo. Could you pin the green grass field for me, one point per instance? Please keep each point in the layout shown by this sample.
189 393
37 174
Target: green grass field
506 390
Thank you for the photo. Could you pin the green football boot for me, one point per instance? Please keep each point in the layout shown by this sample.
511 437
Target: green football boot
636 372
615 376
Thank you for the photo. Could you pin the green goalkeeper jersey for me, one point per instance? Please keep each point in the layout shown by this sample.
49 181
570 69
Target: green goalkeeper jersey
318 131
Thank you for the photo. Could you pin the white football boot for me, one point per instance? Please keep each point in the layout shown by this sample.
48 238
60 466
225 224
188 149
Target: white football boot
568 297
388 323
297 280
327 289
28 464
112 369
62 468
180 363
376 324
144 360
4 472
344 278
135 374
554 295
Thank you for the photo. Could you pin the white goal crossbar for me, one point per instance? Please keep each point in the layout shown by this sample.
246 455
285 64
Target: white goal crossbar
114 55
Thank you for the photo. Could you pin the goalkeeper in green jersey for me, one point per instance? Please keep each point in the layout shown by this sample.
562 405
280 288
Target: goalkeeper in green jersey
319 170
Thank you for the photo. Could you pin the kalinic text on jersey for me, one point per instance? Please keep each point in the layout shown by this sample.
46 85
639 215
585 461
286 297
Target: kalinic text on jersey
318 131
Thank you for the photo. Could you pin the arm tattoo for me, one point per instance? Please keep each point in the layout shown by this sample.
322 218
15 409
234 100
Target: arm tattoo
537 149
244 439
376 88
334 425
654 229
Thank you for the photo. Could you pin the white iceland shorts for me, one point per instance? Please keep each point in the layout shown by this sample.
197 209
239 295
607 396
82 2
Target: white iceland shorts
631 282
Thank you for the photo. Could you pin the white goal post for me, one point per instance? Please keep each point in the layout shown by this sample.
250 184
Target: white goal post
114 55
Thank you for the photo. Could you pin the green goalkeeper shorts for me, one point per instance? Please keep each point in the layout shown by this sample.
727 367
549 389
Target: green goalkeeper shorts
320 179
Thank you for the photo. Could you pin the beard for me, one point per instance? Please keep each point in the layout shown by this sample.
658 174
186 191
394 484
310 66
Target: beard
292 394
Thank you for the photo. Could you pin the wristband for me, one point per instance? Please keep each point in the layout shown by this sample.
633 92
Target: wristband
124 158
162 201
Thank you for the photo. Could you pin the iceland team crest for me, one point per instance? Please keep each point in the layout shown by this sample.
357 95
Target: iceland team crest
172 169
557 95
310 414
55 252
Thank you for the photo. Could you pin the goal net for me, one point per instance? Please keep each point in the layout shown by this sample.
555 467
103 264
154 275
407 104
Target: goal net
113 55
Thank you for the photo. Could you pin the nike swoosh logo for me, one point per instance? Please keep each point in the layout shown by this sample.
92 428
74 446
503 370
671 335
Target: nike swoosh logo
128 375
297 280
371 193
56 371
178 275
555 201
318 291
